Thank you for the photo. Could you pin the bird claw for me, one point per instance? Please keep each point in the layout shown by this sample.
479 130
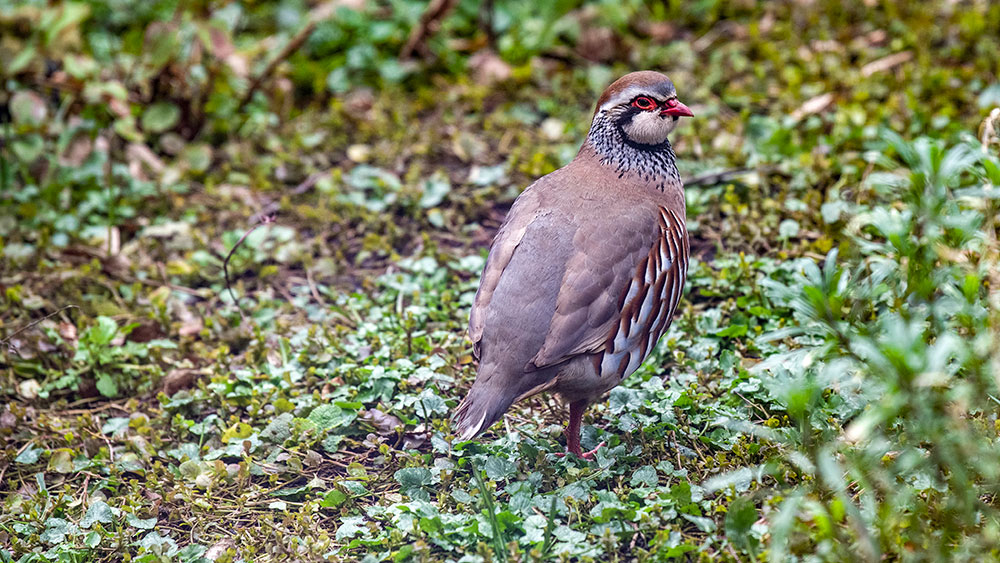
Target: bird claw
589 456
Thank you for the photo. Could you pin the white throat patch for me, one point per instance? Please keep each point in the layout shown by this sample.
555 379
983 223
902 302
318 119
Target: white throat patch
648 128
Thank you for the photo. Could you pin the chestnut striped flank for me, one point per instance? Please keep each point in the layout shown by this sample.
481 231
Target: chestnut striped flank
650 299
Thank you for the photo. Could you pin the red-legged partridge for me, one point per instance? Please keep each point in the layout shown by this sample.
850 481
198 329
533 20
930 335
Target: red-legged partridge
586 271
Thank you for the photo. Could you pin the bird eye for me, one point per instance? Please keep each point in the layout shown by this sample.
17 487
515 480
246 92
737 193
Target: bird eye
644 103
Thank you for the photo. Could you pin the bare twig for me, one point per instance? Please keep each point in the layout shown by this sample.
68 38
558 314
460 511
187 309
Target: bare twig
300 189
429 23
712 178
265 220
309 182
3 155
486 22
313 289
165 283
7 339
83 490
290 48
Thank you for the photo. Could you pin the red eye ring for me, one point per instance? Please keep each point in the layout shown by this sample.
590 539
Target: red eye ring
644 103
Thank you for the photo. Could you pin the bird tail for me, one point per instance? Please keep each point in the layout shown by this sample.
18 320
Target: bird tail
488 400
480 409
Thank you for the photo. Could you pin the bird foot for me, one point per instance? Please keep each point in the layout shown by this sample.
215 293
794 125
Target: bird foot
589 456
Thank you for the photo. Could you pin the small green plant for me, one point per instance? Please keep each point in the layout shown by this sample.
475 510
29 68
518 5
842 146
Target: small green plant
111 364
490 509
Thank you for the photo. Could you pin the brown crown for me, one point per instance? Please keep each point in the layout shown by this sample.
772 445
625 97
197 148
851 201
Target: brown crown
647 79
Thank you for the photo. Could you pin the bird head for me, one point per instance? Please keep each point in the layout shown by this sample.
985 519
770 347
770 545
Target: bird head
642 107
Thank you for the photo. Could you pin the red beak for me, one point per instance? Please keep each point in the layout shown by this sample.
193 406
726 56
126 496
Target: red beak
675 107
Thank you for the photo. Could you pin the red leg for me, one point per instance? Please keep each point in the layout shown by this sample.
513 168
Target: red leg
576 409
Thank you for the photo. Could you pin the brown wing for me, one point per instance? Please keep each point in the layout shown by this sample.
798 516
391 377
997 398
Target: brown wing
618 299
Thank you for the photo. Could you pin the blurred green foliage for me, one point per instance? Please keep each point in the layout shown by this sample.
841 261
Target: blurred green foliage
902 332
828 391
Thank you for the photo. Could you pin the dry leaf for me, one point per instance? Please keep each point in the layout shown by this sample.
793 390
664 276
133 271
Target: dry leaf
68 333
219 549
143 162
658 31
886 63
178 379
489 69
359 101
597 44
312 459
77 151
28 389
191 327
7 419
813 105
391 428
222 46
146 331
28 107
385 424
